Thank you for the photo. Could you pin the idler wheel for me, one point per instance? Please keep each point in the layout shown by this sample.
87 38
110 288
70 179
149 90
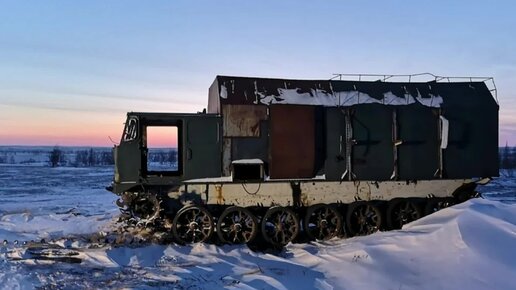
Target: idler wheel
363 218
145 208
322 222
237 225
401 211
437 203
192 224
280 226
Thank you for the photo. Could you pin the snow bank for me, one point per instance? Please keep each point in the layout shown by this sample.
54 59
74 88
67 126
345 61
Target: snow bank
468 246
26 227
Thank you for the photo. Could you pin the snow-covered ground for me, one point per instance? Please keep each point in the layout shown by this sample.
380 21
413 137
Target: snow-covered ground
468 246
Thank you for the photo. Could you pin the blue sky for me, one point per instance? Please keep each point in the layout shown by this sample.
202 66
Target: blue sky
70 70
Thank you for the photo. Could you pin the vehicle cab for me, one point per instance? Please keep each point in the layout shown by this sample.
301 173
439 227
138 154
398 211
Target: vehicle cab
163 149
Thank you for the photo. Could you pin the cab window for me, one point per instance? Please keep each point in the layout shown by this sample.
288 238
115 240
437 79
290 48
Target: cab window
162 149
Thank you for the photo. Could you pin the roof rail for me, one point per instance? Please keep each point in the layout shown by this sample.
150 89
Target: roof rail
489 81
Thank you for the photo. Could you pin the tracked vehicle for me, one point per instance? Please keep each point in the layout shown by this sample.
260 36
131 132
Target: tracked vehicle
276 158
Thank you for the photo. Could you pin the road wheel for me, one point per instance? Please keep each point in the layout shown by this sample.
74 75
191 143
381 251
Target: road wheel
144 208
280 225
192 224
322 222
401 211
237 225
363 218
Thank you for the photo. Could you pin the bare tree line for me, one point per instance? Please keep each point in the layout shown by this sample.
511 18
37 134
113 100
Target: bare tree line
81 158
100 157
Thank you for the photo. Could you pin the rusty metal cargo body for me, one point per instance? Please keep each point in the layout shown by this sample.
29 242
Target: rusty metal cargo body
352 130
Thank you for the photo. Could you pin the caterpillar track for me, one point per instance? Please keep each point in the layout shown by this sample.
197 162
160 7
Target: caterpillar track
145 217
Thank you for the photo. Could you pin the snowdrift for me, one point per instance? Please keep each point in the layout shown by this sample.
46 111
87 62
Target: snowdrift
468 246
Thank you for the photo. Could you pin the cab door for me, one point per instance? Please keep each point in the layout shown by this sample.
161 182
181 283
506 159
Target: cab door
127 155
202 147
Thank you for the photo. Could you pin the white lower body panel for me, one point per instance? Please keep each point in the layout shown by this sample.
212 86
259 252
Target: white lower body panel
306 193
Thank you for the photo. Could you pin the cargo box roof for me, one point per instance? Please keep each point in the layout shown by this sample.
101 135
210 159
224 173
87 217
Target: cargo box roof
335 93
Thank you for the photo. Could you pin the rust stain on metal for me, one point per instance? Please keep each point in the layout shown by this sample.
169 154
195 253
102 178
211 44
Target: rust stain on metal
243 120
218 192
304 199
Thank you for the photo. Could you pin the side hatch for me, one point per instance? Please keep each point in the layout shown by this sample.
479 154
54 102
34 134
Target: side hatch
202 147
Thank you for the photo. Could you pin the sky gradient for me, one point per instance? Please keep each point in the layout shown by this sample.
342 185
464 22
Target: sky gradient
71 70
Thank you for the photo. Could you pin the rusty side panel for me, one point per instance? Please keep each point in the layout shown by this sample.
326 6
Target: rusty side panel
252 148
292 150
243 120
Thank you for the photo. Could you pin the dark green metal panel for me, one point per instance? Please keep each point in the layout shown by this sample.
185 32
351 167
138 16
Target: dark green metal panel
372 157
127 155
473 137
128 161
202 147
472 141
418 130
335 165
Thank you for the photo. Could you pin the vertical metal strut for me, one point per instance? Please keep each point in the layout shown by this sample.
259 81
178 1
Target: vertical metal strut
349 145
395 142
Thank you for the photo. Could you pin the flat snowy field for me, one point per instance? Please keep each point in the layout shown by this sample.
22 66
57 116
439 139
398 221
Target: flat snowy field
468 246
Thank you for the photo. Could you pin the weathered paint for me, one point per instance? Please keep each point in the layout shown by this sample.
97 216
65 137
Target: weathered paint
243 120
218 193
313 192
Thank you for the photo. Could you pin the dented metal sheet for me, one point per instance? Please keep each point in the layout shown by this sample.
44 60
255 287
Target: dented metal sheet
243 120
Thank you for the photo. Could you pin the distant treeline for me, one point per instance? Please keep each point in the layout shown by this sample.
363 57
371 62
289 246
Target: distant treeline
80 158
101 157
162 156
